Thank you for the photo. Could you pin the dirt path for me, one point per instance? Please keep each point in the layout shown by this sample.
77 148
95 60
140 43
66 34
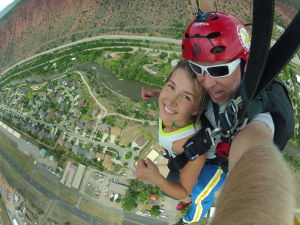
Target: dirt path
104 112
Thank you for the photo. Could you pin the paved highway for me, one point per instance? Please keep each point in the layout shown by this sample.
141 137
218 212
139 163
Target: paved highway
129 218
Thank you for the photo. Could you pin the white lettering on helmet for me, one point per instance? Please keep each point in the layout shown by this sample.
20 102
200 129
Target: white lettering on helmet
200 24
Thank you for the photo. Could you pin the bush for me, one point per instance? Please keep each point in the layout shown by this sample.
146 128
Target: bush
128 155
163 55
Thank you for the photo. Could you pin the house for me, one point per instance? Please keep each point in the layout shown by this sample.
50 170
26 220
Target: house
88 125
76 112
151 112
78 91
174 62
104 130
107 163
78 176
81 103
62 107
45 114
61 140
108 56
53 137
42 152
116 131
153 197
75 148
60 99
98 156
82 151
69 81
68 145
153 70
153 155
50 115
139 142
69 174
96 113
80 124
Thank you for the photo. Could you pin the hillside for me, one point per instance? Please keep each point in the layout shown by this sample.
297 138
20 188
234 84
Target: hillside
36 25
8 8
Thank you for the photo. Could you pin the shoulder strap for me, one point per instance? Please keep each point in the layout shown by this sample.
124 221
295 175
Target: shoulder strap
281 52
263 13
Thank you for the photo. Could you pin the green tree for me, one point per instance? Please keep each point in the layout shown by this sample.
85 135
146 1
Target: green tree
129 201
128 155
163 55
155 210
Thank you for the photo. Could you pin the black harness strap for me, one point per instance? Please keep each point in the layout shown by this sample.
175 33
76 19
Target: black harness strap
263 13
281 53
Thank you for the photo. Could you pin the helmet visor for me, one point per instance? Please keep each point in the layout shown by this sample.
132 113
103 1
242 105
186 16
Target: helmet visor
216 71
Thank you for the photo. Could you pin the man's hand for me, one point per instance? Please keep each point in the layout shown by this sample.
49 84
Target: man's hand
147 94
147 170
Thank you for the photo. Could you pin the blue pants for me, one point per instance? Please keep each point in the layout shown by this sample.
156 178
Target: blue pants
209 181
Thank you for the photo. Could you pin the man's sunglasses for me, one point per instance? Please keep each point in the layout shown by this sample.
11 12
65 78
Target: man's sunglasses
216 71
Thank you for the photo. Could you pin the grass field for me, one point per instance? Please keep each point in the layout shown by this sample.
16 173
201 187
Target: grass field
55 188
23 187
22 160
101 213
46 183
62 216
3 214
68 196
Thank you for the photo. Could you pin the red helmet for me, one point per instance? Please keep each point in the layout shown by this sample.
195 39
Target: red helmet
215 36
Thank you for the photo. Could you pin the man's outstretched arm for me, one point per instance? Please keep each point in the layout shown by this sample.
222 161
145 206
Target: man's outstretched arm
258 191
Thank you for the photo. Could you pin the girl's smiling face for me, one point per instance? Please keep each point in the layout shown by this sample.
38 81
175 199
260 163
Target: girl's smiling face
180 98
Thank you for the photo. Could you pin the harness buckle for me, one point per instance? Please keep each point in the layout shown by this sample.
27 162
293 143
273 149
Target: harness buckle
229 118
211 134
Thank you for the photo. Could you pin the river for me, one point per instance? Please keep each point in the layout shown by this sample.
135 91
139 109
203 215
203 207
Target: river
126 87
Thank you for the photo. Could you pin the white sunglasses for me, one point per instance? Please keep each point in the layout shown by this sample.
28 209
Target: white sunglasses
216 71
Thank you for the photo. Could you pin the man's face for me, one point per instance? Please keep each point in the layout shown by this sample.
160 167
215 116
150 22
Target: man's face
220 89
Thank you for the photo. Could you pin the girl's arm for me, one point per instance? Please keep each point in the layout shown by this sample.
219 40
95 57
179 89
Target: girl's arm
147 170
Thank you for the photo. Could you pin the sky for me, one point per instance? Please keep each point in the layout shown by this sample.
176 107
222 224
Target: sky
4 3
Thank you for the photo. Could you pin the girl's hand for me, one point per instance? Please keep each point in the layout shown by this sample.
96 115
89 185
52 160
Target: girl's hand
147 170
147 94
